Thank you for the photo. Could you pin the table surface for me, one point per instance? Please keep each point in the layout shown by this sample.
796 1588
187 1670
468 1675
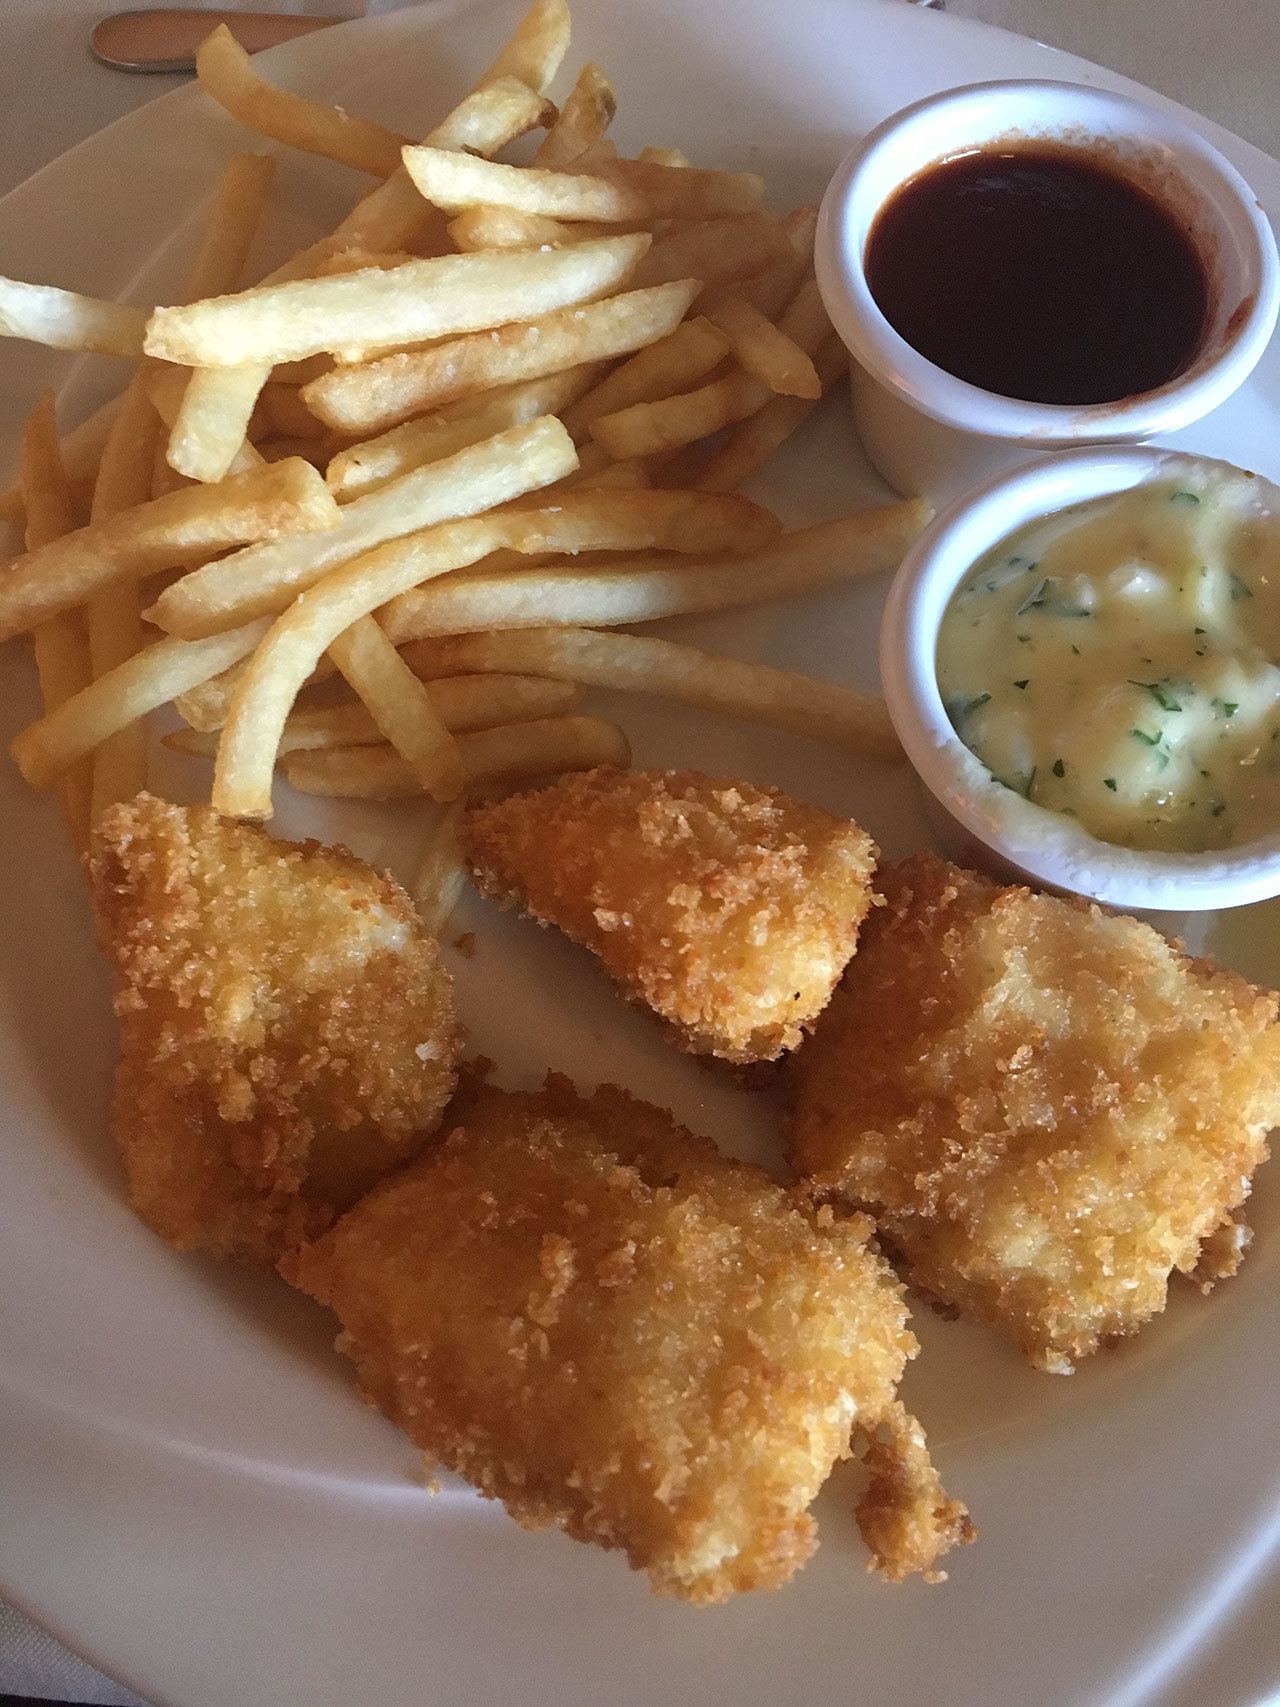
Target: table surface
1217 59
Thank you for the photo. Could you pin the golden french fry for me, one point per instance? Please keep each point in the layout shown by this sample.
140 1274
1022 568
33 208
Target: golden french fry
717 251
514 753
618 519
65 320
662 157
210 428
61 645
401 707
380 310
771 289
81 452
262 579
506 228
205 706
535 51
442 872
673 364
226 73
580 521
764 350
231 226
649 589
649 429
163 478
373 463
634 474
114 615
586 115
197 522
543 451
782 699
749 445
394 215
118 700
384 393
612 190
461 703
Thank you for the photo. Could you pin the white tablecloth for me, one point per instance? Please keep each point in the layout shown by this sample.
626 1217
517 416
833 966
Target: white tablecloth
1217 58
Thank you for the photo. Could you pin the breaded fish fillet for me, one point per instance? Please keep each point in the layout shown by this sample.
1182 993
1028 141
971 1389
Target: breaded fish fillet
287 1030
731 910
593 1317
1047 1108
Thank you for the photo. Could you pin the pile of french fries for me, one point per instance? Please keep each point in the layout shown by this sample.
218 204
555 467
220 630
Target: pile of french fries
441 455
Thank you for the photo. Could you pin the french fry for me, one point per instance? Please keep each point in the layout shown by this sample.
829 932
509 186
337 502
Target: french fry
401 707
210 428
506 228
373 463
65 320
673 364
652 429
581 520
205 706
516 752
81 452
61 645
114 614
869 542
717 251
782 699
649 429
612 190
461 703
442 872
231 225
264 578
194 523
384 393
394 215
226 73
117 701
618 519
379 310
764 350
755 440
536 49
586 115
298 638
662 157
633 474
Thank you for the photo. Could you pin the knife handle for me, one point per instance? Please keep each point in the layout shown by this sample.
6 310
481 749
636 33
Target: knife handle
165 38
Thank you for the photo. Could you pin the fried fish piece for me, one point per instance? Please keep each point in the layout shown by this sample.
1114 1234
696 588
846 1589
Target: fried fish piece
730 909
1047 1108
287 1029
592 1316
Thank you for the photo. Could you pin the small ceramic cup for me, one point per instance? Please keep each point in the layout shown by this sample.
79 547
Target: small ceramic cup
979 821
931 434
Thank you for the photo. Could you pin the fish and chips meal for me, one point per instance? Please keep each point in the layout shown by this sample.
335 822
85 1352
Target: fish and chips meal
372 528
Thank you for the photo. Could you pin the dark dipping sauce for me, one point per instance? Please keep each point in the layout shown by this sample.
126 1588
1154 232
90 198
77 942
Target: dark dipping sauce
1037 272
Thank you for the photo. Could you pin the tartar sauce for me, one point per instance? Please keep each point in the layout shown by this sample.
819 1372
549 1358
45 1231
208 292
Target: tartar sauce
1119 662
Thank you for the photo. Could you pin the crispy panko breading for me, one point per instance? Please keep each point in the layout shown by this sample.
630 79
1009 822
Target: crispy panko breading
731 910
287 1030
1047 1108
595 1318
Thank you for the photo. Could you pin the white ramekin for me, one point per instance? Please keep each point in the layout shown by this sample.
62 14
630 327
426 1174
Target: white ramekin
932 434
978 820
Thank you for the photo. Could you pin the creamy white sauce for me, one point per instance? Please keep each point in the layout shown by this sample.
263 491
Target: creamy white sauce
1119 662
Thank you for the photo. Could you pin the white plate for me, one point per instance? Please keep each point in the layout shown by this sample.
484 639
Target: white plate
193 1495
